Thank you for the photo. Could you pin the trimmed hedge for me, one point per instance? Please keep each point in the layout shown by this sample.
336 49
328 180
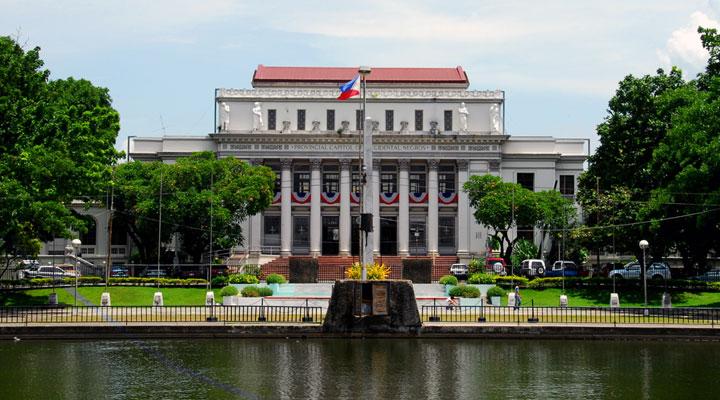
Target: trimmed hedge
243 278
219 281
229 291
275 278
448 280
417 271
303 270
511 280
254 291
465 291
160 281
482 278
496 291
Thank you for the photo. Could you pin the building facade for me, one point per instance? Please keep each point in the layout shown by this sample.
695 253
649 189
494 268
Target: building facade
430 134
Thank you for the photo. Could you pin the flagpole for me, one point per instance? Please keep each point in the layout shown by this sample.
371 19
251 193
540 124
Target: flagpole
366 208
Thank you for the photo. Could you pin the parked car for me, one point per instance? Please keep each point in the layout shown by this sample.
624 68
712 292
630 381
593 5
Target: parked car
155 273
562 268
532 268
119 272
710 276
48 271
496 265
70 269
656 270
460 271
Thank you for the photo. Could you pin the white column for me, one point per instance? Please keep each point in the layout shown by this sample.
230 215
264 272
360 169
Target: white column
403 209
286 208
255 225
345 222
463 211
376 206
432 222
315 217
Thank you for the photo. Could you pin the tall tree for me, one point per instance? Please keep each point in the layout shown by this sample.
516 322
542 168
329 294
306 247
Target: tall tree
502 206
193 189
56 144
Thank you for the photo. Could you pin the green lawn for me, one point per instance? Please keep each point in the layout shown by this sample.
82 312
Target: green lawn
119 296
585 298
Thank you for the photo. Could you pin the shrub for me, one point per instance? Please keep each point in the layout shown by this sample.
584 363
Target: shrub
482 278
303 270
220 280
275 278
252 269
465 291
523 250
374 272
476 265
243 278
512 280
418 271
40 281
83 279
448 280
496 291
254 291
229 291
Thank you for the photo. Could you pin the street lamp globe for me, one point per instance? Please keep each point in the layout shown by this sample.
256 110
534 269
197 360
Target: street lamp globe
76 244
644 244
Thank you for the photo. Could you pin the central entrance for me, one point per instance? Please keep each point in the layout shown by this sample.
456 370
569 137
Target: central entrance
330 235
388 235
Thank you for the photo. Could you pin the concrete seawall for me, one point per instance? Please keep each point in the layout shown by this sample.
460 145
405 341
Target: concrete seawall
428 330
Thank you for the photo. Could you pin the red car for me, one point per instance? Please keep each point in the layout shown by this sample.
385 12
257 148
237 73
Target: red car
496 265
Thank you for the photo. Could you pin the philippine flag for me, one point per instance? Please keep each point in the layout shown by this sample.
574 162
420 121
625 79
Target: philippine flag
350 89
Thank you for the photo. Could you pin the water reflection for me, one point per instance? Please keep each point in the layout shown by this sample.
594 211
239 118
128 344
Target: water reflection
361 368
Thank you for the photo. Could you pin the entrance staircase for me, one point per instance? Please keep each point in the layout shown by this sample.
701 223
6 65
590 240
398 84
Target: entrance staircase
332 268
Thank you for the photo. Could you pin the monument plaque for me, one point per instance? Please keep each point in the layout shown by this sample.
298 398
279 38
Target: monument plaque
379 306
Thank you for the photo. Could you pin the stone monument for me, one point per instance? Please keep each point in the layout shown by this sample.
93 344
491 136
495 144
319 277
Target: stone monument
257 117
463 112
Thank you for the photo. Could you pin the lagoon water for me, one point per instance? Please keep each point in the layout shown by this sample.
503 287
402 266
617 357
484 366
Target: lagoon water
357 369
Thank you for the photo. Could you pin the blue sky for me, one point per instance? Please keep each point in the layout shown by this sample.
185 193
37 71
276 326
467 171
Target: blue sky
558 61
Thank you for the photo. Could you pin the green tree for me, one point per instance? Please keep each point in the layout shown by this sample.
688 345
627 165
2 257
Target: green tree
56 145
502 206
191 188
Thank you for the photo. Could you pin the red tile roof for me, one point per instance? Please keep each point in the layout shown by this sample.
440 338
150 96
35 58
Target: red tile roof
341 74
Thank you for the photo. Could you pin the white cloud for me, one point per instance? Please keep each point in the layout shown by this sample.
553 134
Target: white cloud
684 48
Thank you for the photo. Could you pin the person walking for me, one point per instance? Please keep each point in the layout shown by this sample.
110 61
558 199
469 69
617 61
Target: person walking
451 302
518 299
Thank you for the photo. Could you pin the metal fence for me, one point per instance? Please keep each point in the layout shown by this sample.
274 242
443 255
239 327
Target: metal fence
572 315
160 314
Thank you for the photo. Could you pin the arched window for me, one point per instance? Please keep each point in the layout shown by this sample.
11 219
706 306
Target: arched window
90 237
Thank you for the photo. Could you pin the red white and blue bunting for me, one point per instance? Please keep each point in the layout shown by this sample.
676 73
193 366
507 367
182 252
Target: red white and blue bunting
418 198
355 198
300 197
276 198
389 198
447 197
330 197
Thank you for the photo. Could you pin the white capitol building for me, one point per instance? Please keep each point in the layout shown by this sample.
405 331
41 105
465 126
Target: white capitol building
430 133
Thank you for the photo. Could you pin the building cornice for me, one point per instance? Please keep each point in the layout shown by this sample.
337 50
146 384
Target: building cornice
322 94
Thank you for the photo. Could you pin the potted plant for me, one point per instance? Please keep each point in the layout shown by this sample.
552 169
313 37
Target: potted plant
448 281
229 294
494 294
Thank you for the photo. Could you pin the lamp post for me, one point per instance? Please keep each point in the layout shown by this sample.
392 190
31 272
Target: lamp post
76 246
644 245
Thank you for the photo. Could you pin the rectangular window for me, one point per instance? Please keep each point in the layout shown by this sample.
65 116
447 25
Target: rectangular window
271 230
418 120
331 120
448 120
526 180
567 185
301 182
446 234
389 120
272 119
331 179
388 179
301 120
417 238
278 181
356 180
359 120
446 179
301 234
418 179
526 233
